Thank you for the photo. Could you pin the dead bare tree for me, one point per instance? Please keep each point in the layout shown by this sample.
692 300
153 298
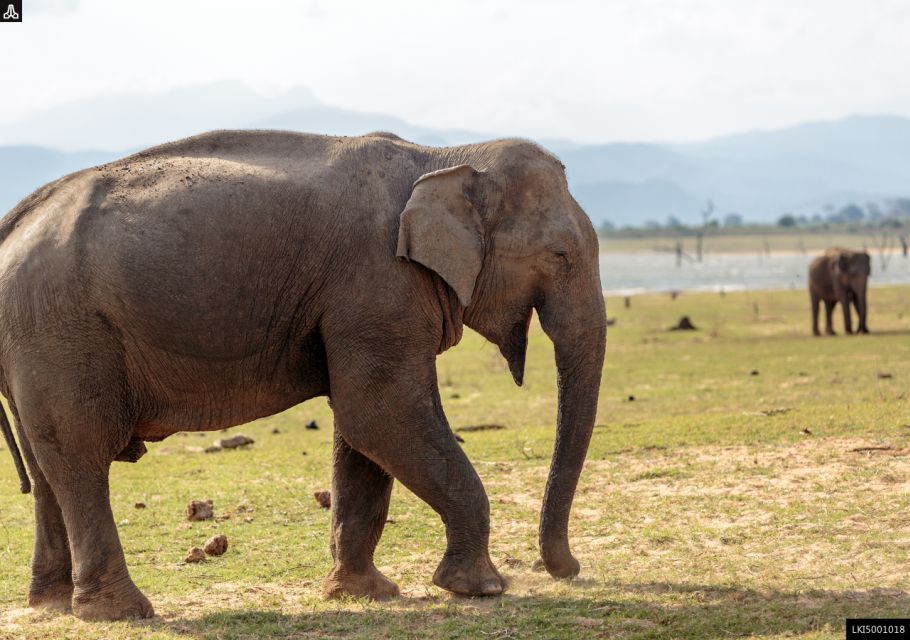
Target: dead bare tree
884 243
700 234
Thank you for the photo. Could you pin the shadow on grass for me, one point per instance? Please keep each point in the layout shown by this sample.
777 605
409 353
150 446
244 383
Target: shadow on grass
886 332
650 610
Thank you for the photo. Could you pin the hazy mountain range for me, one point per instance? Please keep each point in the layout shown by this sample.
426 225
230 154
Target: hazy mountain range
759 175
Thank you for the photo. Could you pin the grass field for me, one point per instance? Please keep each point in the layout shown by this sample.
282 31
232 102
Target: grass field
727 241
758 485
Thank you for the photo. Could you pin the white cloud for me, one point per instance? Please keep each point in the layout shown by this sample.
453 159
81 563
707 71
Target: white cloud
630 69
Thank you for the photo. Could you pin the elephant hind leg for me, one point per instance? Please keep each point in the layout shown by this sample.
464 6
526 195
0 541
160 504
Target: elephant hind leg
51 585
361 492
76 421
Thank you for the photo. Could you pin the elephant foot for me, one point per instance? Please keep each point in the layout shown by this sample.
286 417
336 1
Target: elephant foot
864 330
830 332
53 597
114 604
371 584
469 576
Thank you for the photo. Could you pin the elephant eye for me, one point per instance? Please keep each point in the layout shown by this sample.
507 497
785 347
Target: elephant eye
561 258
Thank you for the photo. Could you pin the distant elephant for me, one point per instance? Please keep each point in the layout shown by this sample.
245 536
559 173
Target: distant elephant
215 280
839 275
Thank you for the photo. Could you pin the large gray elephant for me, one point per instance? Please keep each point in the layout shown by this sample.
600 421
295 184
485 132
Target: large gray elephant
839 275
211 281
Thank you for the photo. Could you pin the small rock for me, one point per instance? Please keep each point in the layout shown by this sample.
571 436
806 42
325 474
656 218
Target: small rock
195 554
216 545
213 449
200 510
631 398
276 431
303 453
882 375
248 519
312 425
806 431
234 442
754 372
324 498
139 505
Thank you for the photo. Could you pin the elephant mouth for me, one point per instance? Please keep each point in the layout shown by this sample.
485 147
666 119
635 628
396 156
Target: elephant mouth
515 348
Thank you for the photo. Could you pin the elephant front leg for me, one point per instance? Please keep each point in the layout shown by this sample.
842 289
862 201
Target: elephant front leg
816 303
845 304
395 418
829 317
859 301
361 491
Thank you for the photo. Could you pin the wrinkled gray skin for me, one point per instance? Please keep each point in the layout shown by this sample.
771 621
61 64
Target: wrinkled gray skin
215 280
839 276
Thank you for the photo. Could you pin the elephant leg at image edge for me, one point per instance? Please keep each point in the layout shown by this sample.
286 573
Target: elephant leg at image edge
103 589
74 440
361 492
51 585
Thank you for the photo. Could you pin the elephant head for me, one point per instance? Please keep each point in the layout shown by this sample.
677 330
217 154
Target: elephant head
501 228
853 269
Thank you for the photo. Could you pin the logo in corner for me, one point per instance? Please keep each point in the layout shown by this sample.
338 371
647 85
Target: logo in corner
13 12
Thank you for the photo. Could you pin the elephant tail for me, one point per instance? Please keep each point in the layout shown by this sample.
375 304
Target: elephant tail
25 485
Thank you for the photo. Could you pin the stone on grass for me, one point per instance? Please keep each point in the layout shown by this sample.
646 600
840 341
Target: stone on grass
234 442
216 545
324 498
200 510
195 554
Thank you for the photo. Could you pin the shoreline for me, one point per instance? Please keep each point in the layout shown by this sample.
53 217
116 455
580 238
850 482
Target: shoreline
630 292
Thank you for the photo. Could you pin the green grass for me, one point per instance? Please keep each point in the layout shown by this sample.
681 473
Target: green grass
731 241
717 503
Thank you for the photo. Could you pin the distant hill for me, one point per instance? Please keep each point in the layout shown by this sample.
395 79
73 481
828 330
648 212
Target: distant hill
24 168
760 175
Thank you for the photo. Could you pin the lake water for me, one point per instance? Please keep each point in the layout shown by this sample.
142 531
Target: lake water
625 274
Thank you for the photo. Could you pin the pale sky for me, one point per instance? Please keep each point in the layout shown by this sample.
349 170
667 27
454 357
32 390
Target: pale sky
587 71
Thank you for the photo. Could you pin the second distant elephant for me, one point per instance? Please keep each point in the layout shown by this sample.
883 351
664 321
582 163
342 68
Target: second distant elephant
839 275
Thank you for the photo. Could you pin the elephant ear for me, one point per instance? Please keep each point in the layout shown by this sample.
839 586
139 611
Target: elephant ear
441 229
843 263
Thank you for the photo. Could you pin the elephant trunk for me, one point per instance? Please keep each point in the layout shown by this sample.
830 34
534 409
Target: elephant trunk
578 332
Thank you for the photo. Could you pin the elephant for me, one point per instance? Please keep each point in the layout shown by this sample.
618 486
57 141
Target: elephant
225 277
839 275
